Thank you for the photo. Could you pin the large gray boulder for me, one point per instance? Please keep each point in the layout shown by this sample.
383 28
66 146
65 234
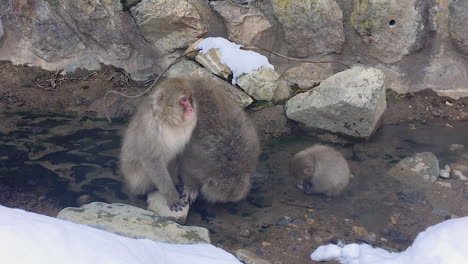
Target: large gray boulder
246 25
459 25
418 171
65 34
391 29
169 24
130 221
350 102
310 26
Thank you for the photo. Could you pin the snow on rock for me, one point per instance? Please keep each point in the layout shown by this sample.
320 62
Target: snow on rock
239 61
443 243
32 238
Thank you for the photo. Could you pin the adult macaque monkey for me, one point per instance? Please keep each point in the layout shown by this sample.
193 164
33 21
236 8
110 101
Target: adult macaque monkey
223 151
160 130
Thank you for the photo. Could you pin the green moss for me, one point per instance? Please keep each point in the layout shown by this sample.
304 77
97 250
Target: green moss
193 236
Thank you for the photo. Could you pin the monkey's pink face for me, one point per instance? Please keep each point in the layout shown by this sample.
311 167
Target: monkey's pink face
186 103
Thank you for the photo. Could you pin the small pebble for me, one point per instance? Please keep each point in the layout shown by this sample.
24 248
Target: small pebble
448 125
455 147
412 127
244 233
266 244
284 221
372 237
445 184
441 212
459 175
445 172
448 103
360 231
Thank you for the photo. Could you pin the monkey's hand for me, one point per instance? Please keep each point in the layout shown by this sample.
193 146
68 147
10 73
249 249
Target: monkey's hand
189 194
177 205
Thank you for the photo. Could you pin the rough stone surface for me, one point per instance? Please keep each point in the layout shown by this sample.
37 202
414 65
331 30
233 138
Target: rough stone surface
260 84
391 29
1 29
459 25
310 26
68 35
247 26
282 92
158 204
130 221
271 122
418 171
350 102
187 69
169 24
308 75
250 258
212 61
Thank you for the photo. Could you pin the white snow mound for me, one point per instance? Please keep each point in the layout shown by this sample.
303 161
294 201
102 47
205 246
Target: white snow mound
239 61
443 243
32 238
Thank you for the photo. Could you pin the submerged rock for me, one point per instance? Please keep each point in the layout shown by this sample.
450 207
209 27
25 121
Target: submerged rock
350 102
418 171
130 221
250 258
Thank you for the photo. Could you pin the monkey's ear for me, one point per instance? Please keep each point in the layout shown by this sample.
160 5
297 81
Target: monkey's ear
308 171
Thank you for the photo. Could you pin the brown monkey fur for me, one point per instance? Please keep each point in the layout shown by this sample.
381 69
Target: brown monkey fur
223 151
160 129
320 169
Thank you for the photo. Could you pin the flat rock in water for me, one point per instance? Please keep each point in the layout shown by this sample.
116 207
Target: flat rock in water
250 258
130 221
418 171
350 102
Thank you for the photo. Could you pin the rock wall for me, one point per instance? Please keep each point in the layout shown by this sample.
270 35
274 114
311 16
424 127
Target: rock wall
418 44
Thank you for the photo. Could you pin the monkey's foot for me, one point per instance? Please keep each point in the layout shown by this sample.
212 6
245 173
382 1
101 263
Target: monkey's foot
177 205
189 195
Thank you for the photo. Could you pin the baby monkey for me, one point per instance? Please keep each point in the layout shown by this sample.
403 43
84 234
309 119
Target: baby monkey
158 132
320 169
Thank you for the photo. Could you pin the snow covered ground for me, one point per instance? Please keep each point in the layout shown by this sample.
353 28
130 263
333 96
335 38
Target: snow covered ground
443 243
27 238
239 61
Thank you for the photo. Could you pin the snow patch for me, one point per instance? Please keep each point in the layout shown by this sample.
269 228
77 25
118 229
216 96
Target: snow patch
443 243
239 61
32 238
